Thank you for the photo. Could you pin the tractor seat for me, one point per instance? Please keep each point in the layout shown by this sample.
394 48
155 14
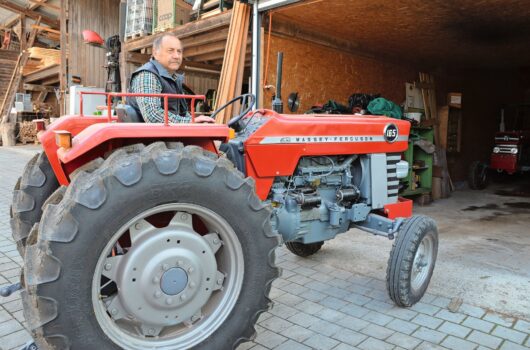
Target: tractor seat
127 114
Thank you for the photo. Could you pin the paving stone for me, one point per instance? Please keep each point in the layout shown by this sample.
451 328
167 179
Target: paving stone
457 343
484 339
289 299
298 333
292 345
375 344
283 311
354 310
430 346
313 295
505 321
334 303
340 283
318 286
303 319
357 299
400 312
349 337
13 306
523 326
15 340
427 321
429 335
309 307
509 334
295 289
8 327
471 310
454 329
258 347
330 315
377 318
477 324
442 302
378 332
269 339
352 323
343 346
402 326
450 316
507 345
301 280
321 342
324 327
404 341
276 324
425 308
336 292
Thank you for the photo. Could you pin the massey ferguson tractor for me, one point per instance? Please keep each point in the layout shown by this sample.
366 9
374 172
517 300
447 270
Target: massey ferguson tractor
151 236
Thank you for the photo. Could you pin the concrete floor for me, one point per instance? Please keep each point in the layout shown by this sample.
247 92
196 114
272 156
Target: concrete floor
484 249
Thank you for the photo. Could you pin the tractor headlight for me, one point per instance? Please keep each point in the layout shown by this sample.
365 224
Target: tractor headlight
402 169
514 151
496 149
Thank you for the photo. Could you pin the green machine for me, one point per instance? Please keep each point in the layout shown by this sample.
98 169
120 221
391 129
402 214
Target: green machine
419 178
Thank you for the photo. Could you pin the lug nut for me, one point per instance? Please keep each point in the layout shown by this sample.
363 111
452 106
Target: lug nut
184 216
216 241
158 294
180 263
220 281
156 279
108 267
183 297
137 226
194 318
169 301
151 331
192 284
114 311
190 270
165 267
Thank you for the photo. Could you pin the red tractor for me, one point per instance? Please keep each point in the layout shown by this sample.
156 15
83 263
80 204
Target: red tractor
510 154
147 236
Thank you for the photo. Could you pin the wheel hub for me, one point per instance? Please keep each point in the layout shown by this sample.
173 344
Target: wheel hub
174 281
167 275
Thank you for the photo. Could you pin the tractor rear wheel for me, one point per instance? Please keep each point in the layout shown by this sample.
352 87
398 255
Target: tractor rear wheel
37 183
412 259
159 248
304 250
478 175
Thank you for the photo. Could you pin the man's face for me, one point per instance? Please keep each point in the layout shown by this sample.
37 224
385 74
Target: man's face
169 54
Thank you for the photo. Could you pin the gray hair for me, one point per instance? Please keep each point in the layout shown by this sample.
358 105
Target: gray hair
158 41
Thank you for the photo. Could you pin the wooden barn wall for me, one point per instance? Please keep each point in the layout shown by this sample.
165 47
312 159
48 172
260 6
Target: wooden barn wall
8 60
200 83
319 74
101 16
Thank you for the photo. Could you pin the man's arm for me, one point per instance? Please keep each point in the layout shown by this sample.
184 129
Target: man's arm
150 107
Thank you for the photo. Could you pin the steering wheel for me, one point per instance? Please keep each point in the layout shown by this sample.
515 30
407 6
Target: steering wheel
246 99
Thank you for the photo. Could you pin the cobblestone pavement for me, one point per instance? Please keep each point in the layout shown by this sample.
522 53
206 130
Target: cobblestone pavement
315 306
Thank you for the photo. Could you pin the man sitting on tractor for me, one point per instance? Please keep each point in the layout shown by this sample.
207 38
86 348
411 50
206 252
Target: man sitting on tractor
157 76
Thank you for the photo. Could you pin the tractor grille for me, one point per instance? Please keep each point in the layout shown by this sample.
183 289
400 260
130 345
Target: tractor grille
392 181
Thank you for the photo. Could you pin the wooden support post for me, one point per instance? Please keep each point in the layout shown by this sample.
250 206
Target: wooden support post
63 83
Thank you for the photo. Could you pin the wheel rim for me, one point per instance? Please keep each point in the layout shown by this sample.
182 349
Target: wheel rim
422 263
171 287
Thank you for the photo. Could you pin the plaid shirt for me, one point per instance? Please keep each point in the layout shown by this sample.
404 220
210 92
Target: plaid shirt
151 107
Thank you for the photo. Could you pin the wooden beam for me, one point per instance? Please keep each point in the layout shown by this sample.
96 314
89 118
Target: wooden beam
184 31
42 73
65 47
205 38
31 7
204 49
46 29
44 4
33 87
29 13
191 64
137 58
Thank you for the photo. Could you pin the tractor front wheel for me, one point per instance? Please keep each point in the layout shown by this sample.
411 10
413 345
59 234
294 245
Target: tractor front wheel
162 247
412 259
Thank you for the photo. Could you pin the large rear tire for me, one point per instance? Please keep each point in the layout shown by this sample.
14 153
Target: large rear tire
157 248
412 259
478 175
33 188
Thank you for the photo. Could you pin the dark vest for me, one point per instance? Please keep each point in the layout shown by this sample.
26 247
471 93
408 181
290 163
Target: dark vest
169 86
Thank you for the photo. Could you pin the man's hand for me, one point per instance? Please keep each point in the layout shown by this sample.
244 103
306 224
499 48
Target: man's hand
203 119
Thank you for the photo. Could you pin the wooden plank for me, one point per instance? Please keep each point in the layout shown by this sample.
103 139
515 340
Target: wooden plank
33 87
42 73
10 23
44 4
42 28
205 49
443 114
29 13
184 31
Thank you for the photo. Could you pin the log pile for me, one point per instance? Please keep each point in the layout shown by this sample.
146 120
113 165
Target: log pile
27 132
